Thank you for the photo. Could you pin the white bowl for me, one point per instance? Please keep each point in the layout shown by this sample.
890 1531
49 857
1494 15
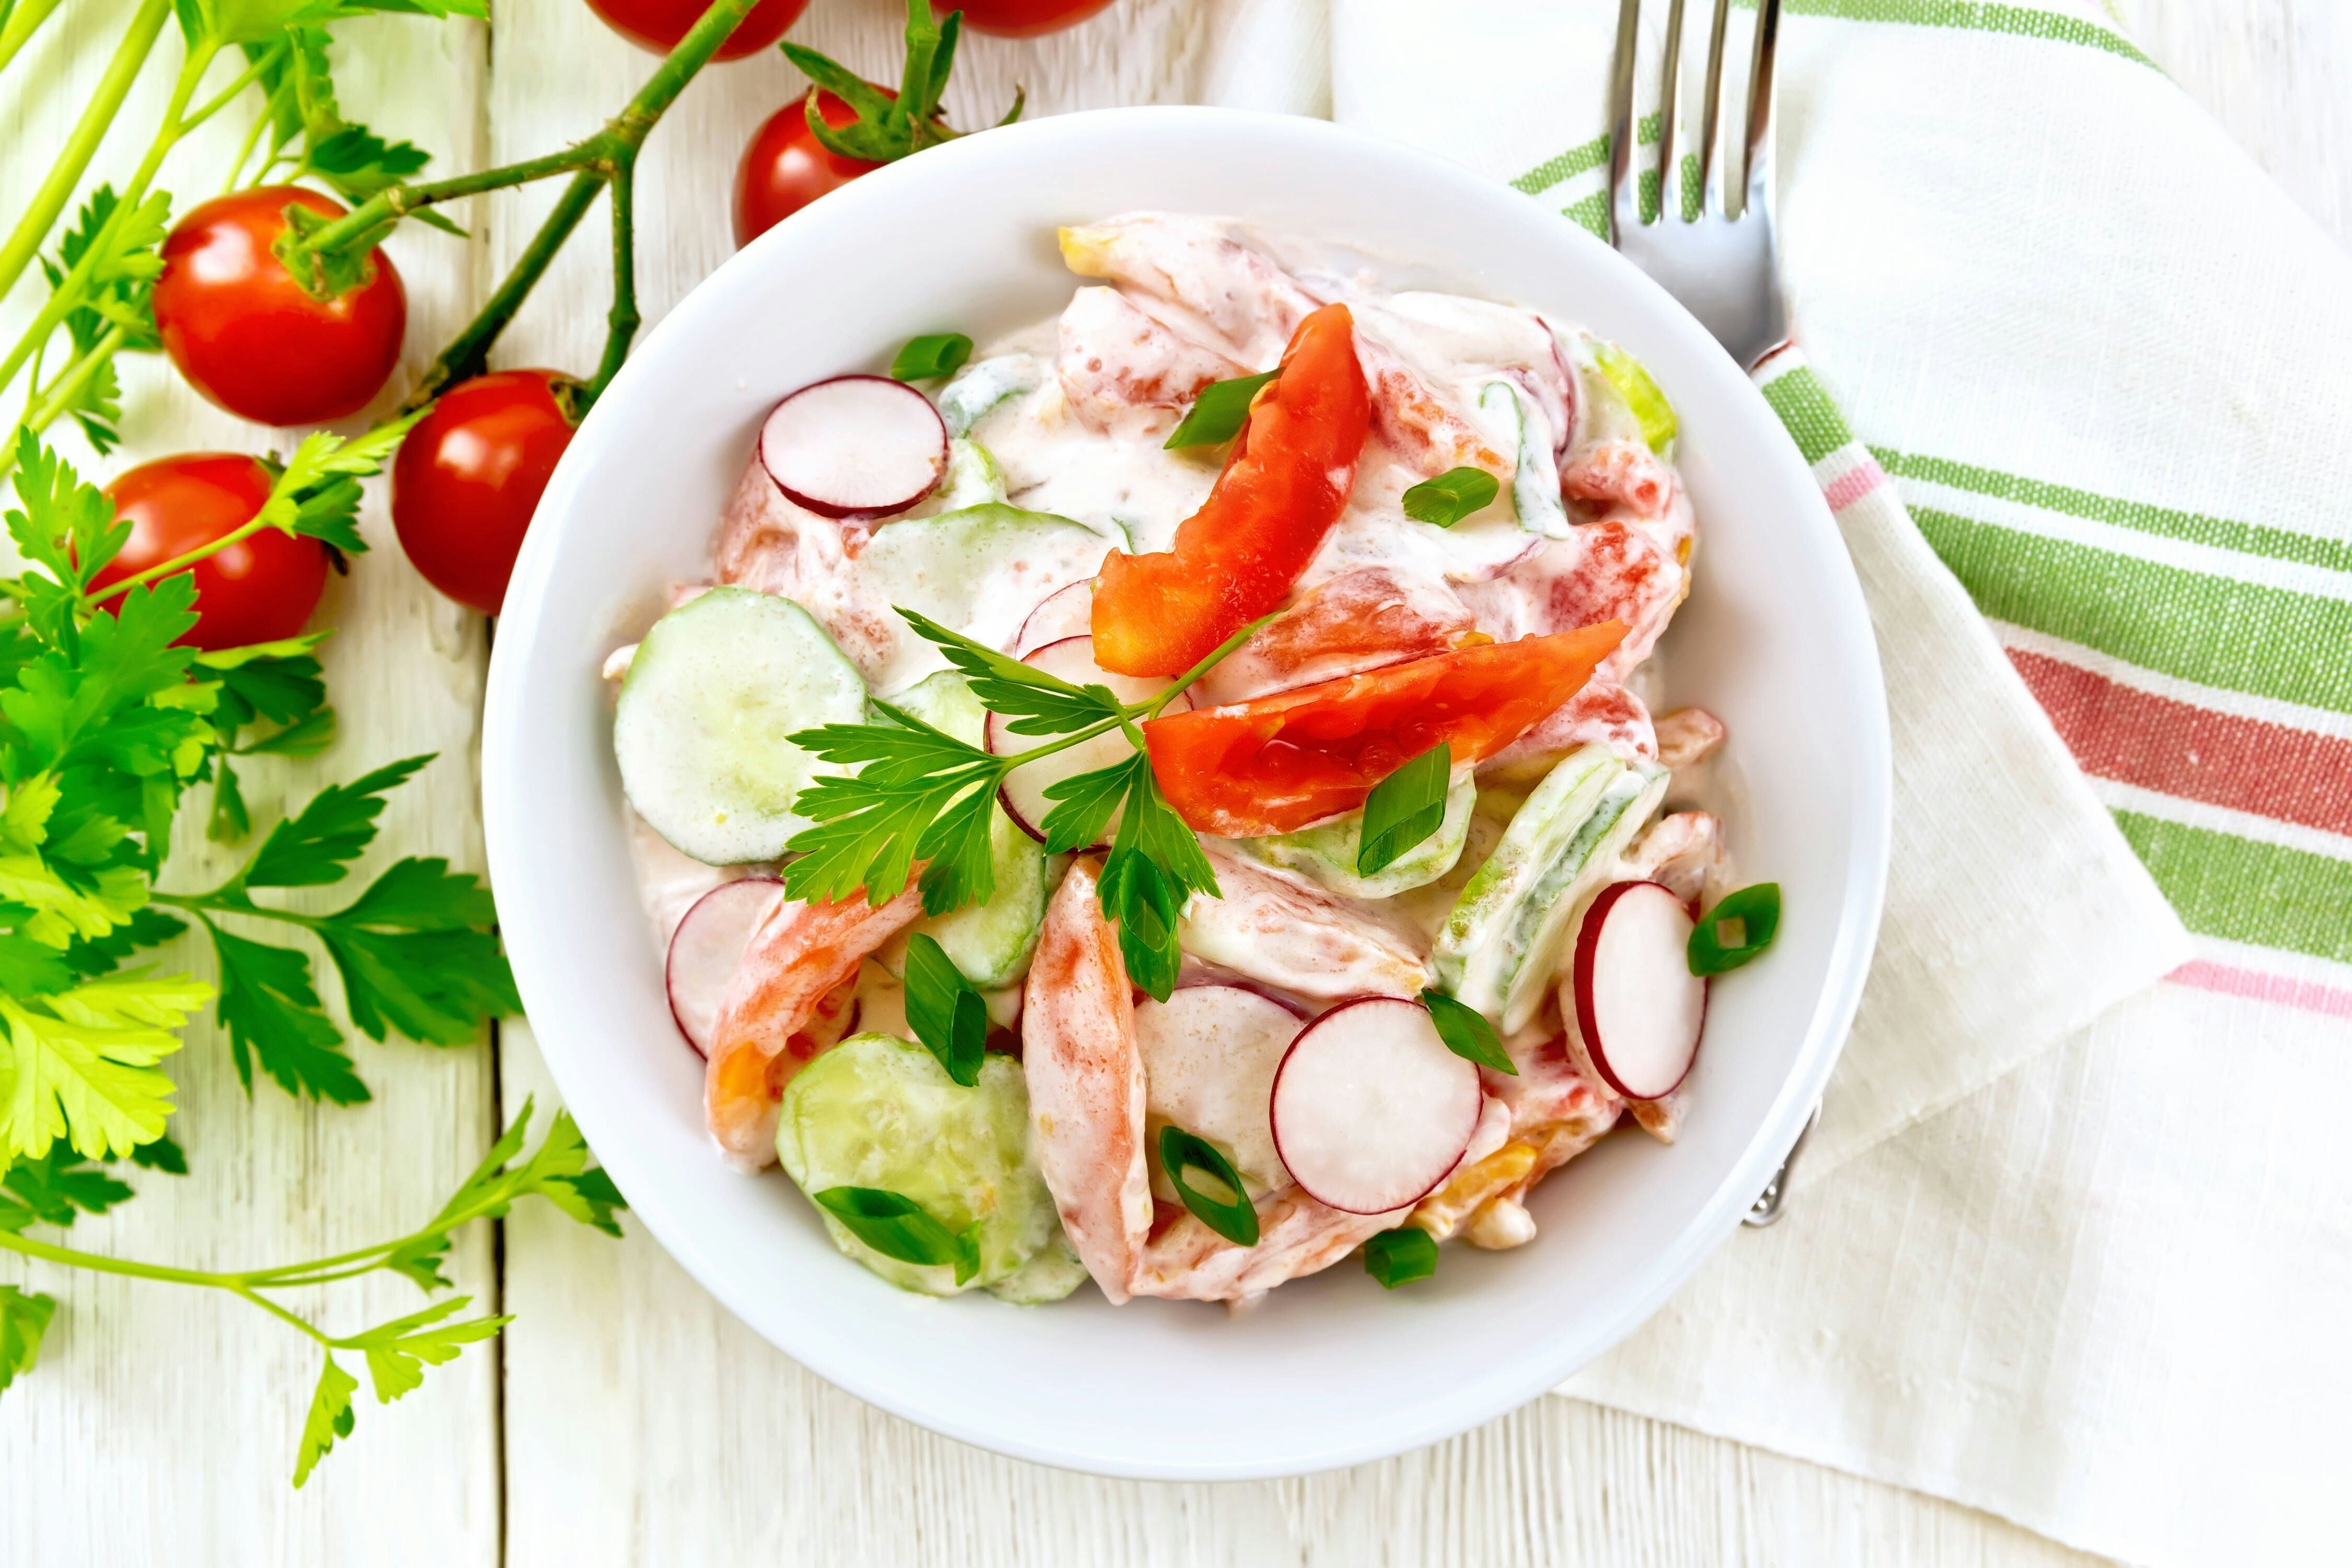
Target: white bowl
1327 1371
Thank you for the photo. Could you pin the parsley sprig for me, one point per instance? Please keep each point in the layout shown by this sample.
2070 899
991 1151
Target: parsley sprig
921 796
52 1190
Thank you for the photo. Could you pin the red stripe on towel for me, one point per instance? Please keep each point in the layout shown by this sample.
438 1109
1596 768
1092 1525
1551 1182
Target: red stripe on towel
2325 1000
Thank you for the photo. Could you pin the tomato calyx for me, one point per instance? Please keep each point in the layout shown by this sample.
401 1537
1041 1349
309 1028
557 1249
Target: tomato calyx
888 127
325 275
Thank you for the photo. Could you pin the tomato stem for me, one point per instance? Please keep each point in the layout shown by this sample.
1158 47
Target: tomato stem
468 353
622 321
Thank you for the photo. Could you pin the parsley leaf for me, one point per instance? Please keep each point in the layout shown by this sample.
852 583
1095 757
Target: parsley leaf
1039 703
329 1418
272 1015
24 1318
921 794
53 1189
398 1352
80 1065
1154 864
112 309
316 846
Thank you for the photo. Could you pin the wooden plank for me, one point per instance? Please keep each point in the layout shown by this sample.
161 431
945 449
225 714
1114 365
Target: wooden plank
159 1415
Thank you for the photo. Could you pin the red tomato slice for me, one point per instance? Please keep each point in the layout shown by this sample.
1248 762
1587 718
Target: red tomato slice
1283 488
1279 763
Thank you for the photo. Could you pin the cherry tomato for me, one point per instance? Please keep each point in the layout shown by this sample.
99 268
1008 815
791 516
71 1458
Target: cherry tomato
1285 484
1024 18
1278 762
258 589
786 167
658 25
469 475
247 336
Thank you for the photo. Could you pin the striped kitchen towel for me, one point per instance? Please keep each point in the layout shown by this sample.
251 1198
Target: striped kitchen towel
2105 369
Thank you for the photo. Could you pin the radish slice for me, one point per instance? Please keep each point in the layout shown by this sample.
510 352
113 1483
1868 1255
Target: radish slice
856 446
1370 1111
707 947
1638 1007
1023 792
1064 613
1210 1053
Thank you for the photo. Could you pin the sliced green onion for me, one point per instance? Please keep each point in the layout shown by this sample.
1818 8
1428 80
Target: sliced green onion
1217 413
1231 1217
899 1227
1466 1033
1735 930
1451 496
1401 1256
1403 809
924 358
946 1013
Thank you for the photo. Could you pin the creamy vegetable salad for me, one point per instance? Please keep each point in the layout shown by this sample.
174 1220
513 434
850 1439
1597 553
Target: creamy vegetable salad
1175 799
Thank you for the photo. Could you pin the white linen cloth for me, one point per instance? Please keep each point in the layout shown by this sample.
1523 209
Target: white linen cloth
2097 1288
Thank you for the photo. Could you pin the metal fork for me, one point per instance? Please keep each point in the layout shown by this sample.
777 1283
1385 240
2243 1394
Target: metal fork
1724 266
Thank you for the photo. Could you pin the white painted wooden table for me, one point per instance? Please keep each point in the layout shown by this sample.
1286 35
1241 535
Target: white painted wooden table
626 1418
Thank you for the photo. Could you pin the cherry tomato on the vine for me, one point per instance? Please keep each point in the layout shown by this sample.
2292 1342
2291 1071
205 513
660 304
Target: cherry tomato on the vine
260 589
247 336
786 167
469 475
658 25
1022 18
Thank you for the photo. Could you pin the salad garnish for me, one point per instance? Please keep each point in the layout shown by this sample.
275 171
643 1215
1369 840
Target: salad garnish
1466 1033
930 356
948 1016
922 795
1216 414
1405 809
1230 1215
1739 927
898 1228
1452 496
1401 1256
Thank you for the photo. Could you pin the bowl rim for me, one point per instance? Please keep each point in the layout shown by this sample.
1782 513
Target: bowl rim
508 778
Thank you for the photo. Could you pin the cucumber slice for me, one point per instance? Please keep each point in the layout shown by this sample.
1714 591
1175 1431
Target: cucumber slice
1649 405
973 395
1327 851
1534 482
992 943
973 477
700 731
1049 1277
1499 948
876 1111
980 570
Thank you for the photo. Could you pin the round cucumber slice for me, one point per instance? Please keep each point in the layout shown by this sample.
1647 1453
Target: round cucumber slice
876 1111
1327 851
713 691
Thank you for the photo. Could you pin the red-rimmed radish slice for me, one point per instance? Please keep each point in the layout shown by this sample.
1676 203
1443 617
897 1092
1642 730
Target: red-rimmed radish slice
1209 1058
705 948
1064 613
1023 792
1639 1009
1370 1109
856 446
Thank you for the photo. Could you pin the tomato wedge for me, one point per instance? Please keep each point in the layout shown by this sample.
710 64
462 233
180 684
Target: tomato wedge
1283 488
1278 762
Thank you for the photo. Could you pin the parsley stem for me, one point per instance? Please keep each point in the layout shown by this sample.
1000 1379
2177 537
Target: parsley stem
178 564
70 1259
23 20
262 62
280 1313
1150 706
73 158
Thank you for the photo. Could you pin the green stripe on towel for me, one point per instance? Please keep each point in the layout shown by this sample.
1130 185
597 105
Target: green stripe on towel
1805 407
2217 631
2246 538
2245 890
1970 15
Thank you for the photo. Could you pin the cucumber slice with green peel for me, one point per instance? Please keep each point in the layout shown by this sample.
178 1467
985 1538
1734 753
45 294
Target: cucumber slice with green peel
991 943
982 388
1499 948
1053 1274
1534 482
700 731
979 571
876 1111
1327 852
